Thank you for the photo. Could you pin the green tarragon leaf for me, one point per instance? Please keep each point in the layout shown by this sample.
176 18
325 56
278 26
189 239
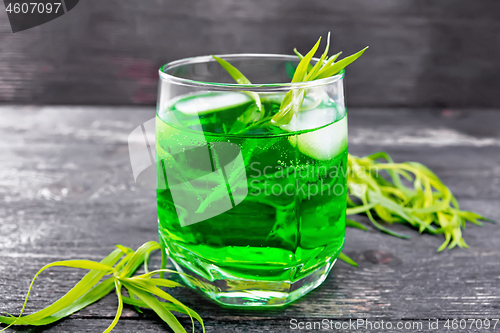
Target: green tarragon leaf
241 79
334 68
90 289
313 71
294 98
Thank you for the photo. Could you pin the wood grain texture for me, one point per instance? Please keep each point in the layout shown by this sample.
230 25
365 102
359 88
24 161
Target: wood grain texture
422 53
67 192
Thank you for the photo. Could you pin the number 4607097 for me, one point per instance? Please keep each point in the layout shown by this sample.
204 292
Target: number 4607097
471 323
33 8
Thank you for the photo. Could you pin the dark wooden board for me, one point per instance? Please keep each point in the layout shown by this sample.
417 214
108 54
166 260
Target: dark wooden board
422 53
67 192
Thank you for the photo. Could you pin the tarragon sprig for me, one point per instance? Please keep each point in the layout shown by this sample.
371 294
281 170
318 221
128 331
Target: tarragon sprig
323 68
117 269
428 205
293 99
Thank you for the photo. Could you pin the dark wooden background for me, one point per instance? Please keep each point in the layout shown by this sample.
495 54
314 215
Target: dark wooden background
66 185
67 192
423 53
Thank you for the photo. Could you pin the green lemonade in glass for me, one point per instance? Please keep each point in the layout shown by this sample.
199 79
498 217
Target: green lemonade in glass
258 215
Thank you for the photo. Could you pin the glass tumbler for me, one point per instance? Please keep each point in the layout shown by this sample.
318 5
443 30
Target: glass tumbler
250 208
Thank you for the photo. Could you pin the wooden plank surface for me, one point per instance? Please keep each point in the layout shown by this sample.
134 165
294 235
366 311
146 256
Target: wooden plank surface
67 192
422 53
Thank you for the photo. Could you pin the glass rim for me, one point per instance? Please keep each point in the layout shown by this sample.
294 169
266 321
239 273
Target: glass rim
264 87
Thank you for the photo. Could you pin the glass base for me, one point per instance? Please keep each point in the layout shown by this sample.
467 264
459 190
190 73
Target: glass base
236 292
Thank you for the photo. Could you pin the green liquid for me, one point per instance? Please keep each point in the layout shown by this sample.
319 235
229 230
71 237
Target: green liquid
291 221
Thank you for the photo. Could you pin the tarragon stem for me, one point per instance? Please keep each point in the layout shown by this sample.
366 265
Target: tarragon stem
90 289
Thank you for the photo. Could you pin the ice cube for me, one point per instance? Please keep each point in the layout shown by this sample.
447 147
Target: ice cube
211 102
321 144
